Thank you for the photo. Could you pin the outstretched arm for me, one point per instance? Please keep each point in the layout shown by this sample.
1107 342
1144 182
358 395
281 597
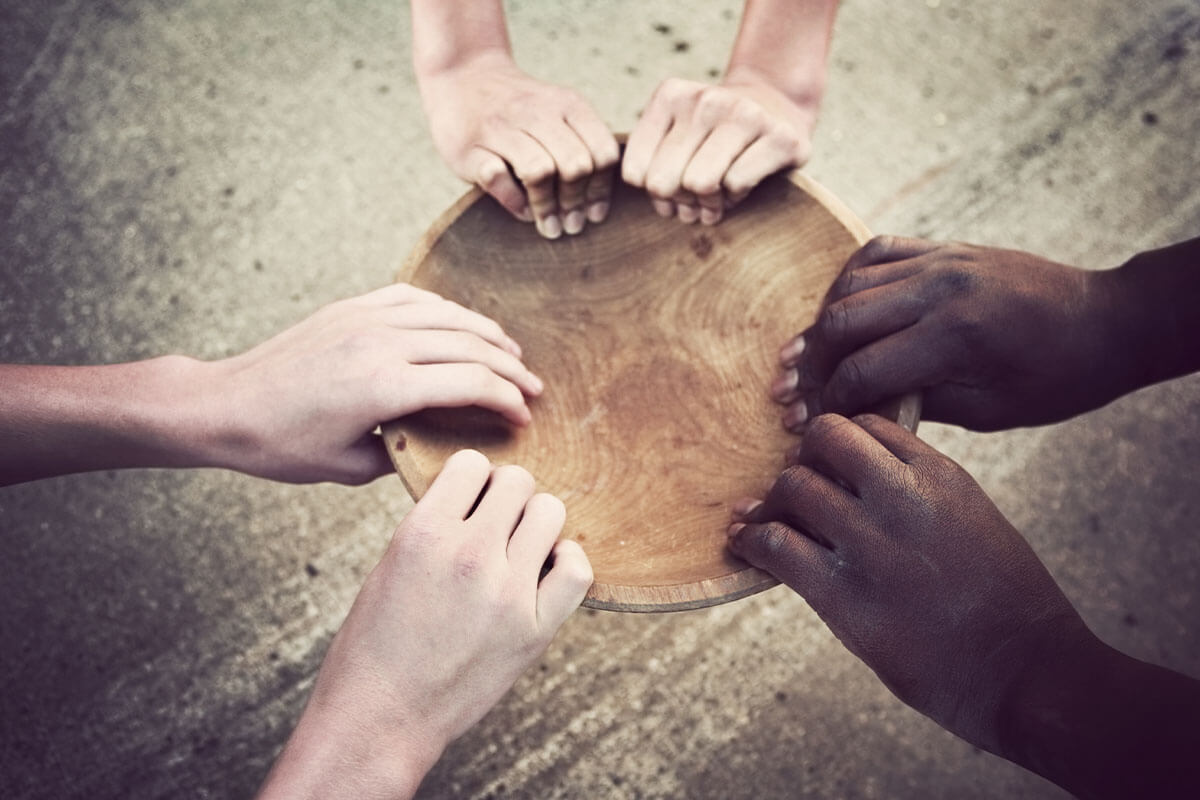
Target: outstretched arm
444 625
994 338
301 407
916 571
699 149
540 150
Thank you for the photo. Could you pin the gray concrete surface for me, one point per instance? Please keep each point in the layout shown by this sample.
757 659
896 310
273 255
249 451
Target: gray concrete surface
192 176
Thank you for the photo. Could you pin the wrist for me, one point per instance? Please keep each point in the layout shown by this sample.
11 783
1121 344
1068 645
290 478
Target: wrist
330 757
1154 297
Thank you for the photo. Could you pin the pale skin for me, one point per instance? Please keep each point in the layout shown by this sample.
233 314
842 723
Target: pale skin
453 614
545 155
903 555
302 407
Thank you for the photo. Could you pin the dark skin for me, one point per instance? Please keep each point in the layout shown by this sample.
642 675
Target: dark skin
993 338
914 569
904 556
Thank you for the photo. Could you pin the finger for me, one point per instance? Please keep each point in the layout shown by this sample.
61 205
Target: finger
882 249
460 347
605 155
446 315
687 207
645 139
872 276
706 171
664 177
490 172
712 207
844 453
456 488
397 294
502 503
852 323
902 443
789 555
805 499
534 538
564 586
365 460
765 156
906 362
457 386
536 169
664 208
573 163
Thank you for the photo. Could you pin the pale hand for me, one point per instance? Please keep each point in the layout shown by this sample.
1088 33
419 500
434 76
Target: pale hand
303 406
442 628
699 149
540 150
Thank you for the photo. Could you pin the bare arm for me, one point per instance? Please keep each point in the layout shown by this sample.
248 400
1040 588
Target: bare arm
301 407
916 571
699 149
994 338
452 615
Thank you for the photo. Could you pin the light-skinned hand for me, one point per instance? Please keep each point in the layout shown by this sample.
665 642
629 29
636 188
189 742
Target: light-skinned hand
699 149
442 628
539 149
305 404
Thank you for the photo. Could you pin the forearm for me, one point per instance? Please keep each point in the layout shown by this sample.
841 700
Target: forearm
448 34
785 44
1157 294
323 761
1108 726
58 420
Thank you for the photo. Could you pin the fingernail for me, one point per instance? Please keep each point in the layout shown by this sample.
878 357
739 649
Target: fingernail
664 208
795 417
550 227
783 388
793 453
746 506
791 351
597 212
573 222
734 529
688 214
709 216
538 384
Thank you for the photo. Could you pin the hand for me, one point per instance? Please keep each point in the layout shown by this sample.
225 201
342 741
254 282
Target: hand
304 405
443 627
914 569
699 149
994 338
540 150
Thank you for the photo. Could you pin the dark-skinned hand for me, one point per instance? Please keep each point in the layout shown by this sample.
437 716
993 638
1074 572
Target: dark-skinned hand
913 568
994 338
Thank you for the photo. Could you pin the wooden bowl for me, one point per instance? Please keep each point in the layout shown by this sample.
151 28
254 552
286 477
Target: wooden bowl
657 342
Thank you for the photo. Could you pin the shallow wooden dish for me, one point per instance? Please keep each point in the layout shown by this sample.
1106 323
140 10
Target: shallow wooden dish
657 342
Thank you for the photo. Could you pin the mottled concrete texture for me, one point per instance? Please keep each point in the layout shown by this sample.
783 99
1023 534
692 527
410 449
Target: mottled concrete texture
194 175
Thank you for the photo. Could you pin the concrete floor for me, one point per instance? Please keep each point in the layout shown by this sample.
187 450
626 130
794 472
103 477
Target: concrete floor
194 175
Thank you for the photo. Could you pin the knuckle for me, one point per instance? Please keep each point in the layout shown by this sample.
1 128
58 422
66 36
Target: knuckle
849 379
467 563
772 539
835 322
878 247
536 169
575 169
513 476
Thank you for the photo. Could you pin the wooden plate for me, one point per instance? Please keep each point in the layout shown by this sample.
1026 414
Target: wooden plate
657 342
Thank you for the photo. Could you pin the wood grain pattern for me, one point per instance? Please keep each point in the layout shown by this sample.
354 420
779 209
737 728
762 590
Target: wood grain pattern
657 341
